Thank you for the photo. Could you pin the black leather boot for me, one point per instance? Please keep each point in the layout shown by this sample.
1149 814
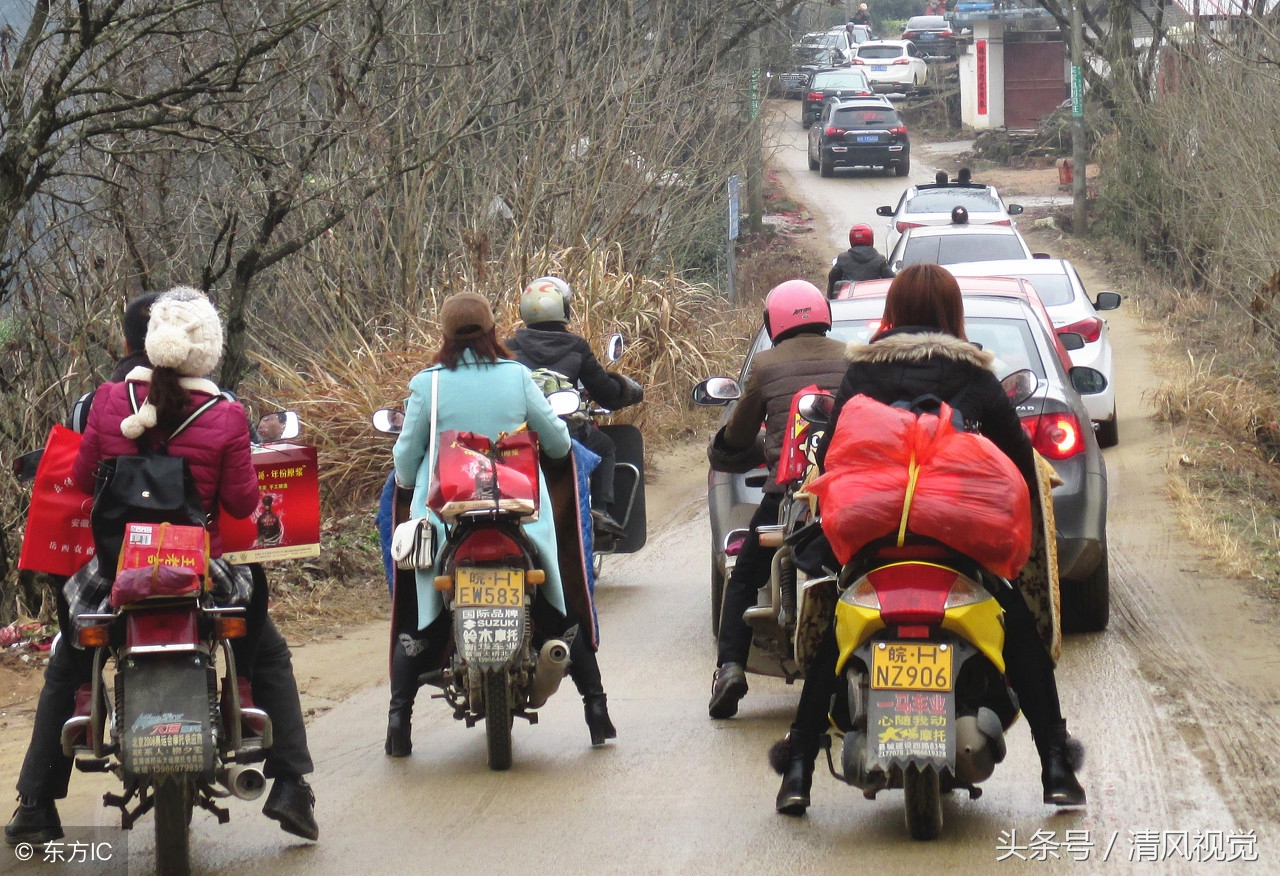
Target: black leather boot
584 669
404 690
797 780
1059 759
597 710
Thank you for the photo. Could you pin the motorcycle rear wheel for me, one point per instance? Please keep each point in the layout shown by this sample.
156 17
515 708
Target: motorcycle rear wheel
923 802
172 809
497 720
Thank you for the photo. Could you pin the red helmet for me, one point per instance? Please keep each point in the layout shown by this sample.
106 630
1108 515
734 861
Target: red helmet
860 235
795 304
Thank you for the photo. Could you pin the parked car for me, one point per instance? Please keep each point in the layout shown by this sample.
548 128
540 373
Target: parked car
844 82
893 66
859 131
818 50
1060 288
953 244
933 34
932 205
1005 323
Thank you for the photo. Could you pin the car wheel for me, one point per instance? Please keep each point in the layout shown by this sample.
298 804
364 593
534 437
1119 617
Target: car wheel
805 123
813 165
1086 604
827 166
903 168
717 596
1108 432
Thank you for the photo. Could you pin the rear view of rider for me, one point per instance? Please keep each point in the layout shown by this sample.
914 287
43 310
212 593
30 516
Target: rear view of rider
860 261
797 316
546 343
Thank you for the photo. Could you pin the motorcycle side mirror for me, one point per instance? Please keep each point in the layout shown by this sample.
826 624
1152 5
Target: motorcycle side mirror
615 347
1020 386
24 467
716 391
1087 381
564 402
388 420
816 408
1071 340
1107 301
884 211
280 426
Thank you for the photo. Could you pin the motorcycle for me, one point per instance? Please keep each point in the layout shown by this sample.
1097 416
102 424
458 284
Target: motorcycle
924 705
493 668
782 642
177 730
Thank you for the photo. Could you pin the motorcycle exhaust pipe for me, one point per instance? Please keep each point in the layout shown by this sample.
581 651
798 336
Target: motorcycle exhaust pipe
553 663
246 782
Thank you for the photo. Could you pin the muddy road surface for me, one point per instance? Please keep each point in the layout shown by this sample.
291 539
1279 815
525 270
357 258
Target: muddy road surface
1176 703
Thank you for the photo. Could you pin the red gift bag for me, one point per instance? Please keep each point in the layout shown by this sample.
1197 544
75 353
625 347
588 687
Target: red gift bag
57 539
474 473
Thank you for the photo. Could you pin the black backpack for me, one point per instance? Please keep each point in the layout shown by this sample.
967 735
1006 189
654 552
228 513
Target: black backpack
149 487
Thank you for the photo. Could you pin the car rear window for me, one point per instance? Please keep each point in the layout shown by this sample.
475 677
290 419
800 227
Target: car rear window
952 249
825 40
839 80
1009 339
927 22
859 117
1052 288
880 53
942 200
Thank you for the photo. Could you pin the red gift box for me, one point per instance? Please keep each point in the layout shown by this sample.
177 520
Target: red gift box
286 524
160 559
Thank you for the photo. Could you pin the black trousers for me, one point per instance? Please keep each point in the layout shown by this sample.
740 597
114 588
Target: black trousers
750 573
262 656
602 478
1027 666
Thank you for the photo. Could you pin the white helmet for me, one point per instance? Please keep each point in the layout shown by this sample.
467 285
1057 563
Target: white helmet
545 299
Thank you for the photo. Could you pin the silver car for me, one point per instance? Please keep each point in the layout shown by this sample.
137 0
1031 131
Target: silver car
932 205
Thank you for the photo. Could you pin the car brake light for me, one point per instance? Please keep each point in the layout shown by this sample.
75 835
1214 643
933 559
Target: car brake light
815 96
900 129
903 226
1000 222
487 546
858 61
912 593
835 132
1090 328
1055 436
909 34
902 61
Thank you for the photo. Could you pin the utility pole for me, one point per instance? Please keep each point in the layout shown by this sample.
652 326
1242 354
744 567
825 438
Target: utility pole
755 139
1079 156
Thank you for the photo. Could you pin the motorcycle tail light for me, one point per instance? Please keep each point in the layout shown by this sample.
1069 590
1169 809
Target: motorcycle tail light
912 593
1056 436
1090 328
167 627
487 546
965 592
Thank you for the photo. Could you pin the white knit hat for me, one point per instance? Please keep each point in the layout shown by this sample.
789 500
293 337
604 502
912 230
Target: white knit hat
184 334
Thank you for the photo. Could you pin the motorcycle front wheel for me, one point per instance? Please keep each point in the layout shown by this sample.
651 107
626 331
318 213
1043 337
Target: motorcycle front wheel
497 719
923 802
172 810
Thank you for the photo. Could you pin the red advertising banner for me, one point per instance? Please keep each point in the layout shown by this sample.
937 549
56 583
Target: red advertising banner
980 50
286 524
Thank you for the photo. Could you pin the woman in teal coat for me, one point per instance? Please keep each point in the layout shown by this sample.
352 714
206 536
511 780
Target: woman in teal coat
481 389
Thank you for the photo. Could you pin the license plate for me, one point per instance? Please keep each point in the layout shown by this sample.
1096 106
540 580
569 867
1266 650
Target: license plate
911 666
879 68
488 588
868 138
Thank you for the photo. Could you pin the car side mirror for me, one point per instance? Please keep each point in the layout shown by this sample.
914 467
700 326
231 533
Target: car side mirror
1071 340
716 391
1087 381
1041 255
615 347
388 420
884 211
1014 209
1107 301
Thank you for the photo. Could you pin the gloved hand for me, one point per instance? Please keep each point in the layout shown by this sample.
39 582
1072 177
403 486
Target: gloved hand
635 392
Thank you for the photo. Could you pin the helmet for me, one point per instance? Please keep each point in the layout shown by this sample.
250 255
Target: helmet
861 235
795 304
959 216
545 299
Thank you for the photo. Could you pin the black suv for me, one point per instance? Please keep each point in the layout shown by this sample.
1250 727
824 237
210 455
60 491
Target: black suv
826 84
860 131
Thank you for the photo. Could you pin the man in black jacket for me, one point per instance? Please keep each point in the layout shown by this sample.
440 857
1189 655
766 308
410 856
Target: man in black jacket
860 261
545 343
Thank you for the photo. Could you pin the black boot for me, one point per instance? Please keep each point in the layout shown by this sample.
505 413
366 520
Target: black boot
1059 760
793 796
35 822
404 690
597 710
292 803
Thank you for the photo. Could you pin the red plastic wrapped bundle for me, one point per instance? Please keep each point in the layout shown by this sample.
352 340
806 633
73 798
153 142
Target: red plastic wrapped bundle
474 473
891 471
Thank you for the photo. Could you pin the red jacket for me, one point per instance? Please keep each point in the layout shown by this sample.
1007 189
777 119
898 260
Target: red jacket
216 447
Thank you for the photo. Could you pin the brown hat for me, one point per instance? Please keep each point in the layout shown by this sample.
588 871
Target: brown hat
465 315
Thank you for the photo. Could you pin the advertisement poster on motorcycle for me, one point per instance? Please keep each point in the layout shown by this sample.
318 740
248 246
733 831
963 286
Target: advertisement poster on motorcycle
488 635
164 722
286 524
909 718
